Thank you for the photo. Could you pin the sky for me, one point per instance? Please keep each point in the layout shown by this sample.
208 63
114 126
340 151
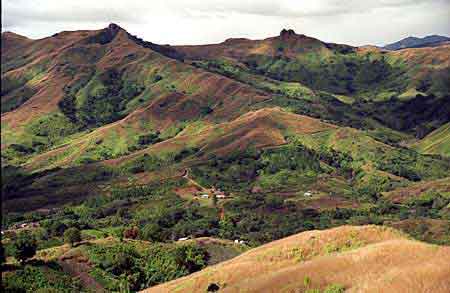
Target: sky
178 22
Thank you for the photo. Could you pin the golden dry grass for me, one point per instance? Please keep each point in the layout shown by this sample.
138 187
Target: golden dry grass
362 259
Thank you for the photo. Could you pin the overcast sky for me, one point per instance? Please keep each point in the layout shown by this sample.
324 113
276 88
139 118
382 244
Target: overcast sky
355 22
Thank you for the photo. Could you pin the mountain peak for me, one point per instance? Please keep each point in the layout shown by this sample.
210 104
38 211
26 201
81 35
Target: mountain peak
114 27
8 34
286 33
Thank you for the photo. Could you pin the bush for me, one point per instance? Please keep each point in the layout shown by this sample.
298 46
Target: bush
150 138
24 247
72 236
2 255
164 264
334 288
47 278
131 233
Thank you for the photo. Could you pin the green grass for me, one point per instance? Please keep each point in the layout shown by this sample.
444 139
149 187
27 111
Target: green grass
365 76
437 142
46 276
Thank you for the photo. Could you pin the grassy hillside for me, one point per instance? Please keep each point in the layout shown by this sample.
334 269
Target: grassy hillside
118 79
437 142
344 70
353 259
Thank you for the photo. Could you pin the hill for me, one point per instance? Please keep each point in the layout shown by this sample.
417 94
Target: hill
353 259
335 68
437 142
413 42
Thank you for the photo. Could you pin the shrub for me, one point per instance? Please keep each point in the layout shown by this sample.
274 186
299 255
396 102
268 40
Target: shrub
334 288
2 255
48 278
24 247
72 236
131 233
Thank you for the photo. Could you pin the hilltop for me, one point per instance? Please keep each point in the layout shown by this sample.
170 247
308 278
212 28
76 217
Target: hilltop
413 42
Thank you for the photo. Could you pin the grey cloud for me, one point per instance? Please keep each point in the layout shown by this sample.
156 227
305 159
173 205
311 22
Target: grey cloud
19 12
295 8
194 21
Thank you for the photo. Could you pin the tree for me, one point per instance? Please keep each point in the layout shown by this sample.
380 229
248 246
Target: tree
131 233
57 228
24 247
152 232
72 235
119 233
2 255
192 258
274 202
122 263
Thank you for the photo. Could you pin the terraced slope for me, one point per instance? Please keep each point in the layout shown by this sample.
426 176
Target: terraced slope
421 189
354 259
437 142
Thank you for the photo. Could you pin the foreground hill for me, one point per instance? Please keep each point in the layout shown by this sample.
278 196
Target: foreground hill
350 259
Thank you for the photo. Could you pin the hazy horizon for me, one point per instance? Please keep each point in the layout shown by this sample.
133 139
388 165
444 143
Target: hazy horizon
178 22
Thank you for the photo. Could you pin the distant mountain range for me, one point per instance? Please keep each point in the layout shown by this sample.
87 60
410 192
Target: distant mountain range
413 42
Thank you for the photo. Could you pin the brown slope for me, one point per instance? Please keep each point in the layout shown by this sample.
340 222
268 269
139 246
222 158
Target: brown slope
53 62
405 194
361 259
64 57
293 44
431 56
262 128
12 43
